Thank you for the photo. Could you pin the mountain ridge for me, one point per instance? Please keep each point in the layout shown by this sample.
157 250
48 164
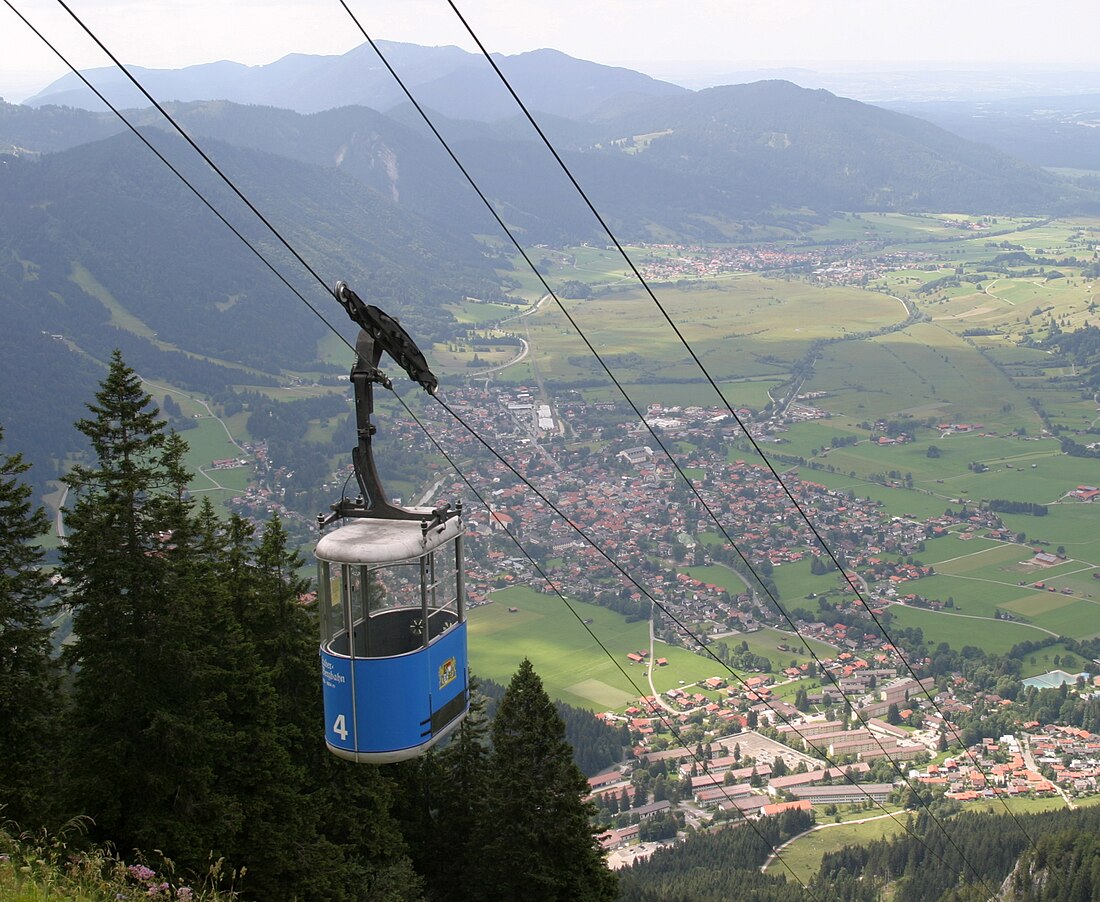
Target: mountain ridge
454 82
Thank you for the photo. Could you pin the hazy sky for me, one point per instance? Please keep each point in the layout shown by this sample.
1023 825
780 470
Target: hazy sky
659 36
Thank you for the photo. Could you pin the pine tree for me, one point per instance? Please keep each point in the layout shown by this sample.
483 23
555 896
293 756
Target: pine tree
148 722
197 707
339 840
446 795
251 758
29 699
540 845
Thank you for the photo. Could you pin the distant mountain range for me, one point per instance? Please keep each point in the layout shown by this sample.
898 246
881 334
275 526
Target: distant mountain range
446 79
670 162
102 246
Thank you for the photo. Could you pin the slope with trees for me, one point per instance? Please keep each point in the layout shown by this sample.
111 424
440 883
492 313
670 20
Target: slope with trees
192 728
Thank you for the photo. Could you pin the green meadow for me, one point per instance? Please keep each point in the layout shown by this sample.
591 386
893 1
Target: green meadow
960 630
1025 805
478 313
749 392
1042 661
566 654
575 668
923 372
1071 524
686 668
795 582
718 575
803 856
748 328
896 500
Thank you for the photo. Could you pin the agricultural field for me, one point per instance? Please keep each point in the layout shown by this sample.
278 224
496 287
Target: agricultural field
922 372
576 670
947 482
749 392
1070 524
744 329
478 313
896 500
803 856
572 666
959 630
454 360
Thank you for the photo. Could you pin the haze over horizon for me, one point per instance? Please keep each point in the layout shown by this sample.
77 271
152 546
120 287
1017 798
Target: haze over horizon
865 49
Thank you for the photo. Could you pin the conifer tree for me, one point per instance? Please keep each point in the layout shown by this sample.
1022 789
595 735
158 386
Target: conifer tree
29 699
251 758
143 727
197 707
450 790
339 840
539 844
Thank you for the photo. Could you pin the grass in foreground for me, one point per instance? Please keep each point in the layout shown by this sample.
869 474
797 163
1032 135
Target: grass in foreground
42 866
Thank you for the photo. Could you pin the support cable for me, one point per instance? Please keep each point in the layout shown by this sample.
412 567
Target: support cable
654 708
729 407
492 210
259 255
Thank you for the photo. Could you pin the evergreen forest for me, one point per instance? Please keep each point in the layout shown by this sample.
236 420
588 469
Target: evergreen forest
181 724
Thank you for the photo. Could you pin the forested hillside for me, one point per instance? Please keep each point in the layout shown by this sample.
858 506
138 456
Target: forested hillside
974 854
772 143
718 867
184 719
966 857
101 247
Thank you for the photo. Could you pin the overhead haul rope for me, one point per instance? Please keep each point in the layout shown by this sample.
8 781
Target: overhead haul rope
595 353
656 708
580 332
174 170
208 160
729 407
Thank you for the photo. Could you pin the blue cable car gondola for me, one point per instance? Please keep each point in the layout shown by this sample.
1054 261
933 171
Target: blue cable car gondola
393 614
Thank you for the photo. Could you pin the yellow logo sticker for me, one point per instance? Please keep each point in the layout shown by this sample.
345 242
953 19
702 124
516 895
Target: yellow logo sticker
448 672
